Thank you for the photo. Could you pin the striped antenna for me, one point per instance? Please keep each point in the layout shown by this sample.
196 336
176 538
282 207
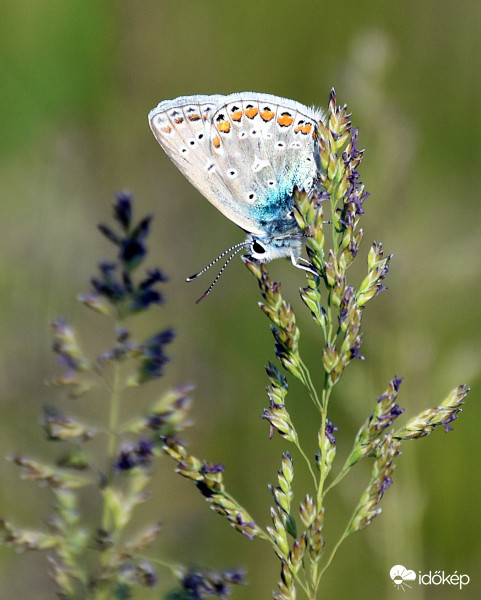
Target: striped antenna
233 250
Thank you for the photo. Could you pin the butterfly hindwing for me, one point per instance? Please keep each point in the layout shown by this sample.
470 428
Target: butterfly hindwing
265 146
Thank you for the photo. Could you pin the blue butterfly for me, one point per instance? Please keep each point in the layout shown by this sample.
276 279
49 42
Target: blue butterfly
246 153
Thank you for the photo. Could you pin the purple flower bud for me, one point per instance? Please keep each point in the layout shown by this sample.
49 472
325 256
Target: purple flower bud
330 429
210 468
123 209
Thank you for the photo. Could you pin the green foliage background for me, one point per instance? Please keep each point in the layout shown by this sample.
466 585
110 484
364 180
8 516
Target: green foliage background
77 81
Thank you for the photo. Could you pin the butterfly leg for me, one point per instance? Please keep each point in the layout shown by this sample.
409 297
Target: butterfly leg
297 262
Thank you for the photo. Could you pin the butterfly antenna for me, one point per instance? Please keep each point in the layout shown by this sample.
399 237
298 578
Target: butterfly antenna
236 249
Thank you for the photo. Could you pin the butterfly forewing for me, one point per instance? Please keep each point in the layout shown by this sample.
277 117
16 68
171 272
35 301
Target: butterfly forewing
182 127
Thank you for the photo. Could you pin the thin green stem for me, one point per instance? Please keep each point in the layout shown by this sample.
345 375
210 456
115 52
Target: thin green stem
322 406
323 474
307 380
175 569
331 556
303 584
339 477
113 419
329 322
103 592
308 462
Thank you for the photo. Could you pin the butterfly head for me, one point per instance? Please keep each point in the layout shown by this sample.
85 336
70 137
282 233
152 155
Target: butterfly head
266 248
262 249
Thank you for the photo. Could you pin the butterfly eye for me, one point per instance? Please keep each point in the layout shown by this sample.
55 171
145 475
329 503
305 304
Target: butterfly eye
257 247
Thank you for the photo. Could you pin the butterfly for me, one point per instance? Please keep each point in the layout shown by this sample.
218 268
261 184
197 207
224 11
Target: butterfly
246 153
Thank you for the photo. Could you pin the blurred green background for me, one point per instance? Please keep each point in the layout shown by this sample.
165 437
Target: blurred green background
77 81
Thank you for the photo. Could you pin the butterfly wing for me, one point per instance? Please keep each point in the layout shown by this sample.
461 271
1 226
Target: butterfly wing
244 152
182 128
264 146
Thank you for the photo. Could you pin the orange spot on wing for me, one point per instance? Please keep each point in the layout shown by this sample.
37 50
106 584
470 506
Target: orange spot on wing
285 120
178 120
194 117
236 116
223 126
267 114
167 129
216 141
305 129
251 111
